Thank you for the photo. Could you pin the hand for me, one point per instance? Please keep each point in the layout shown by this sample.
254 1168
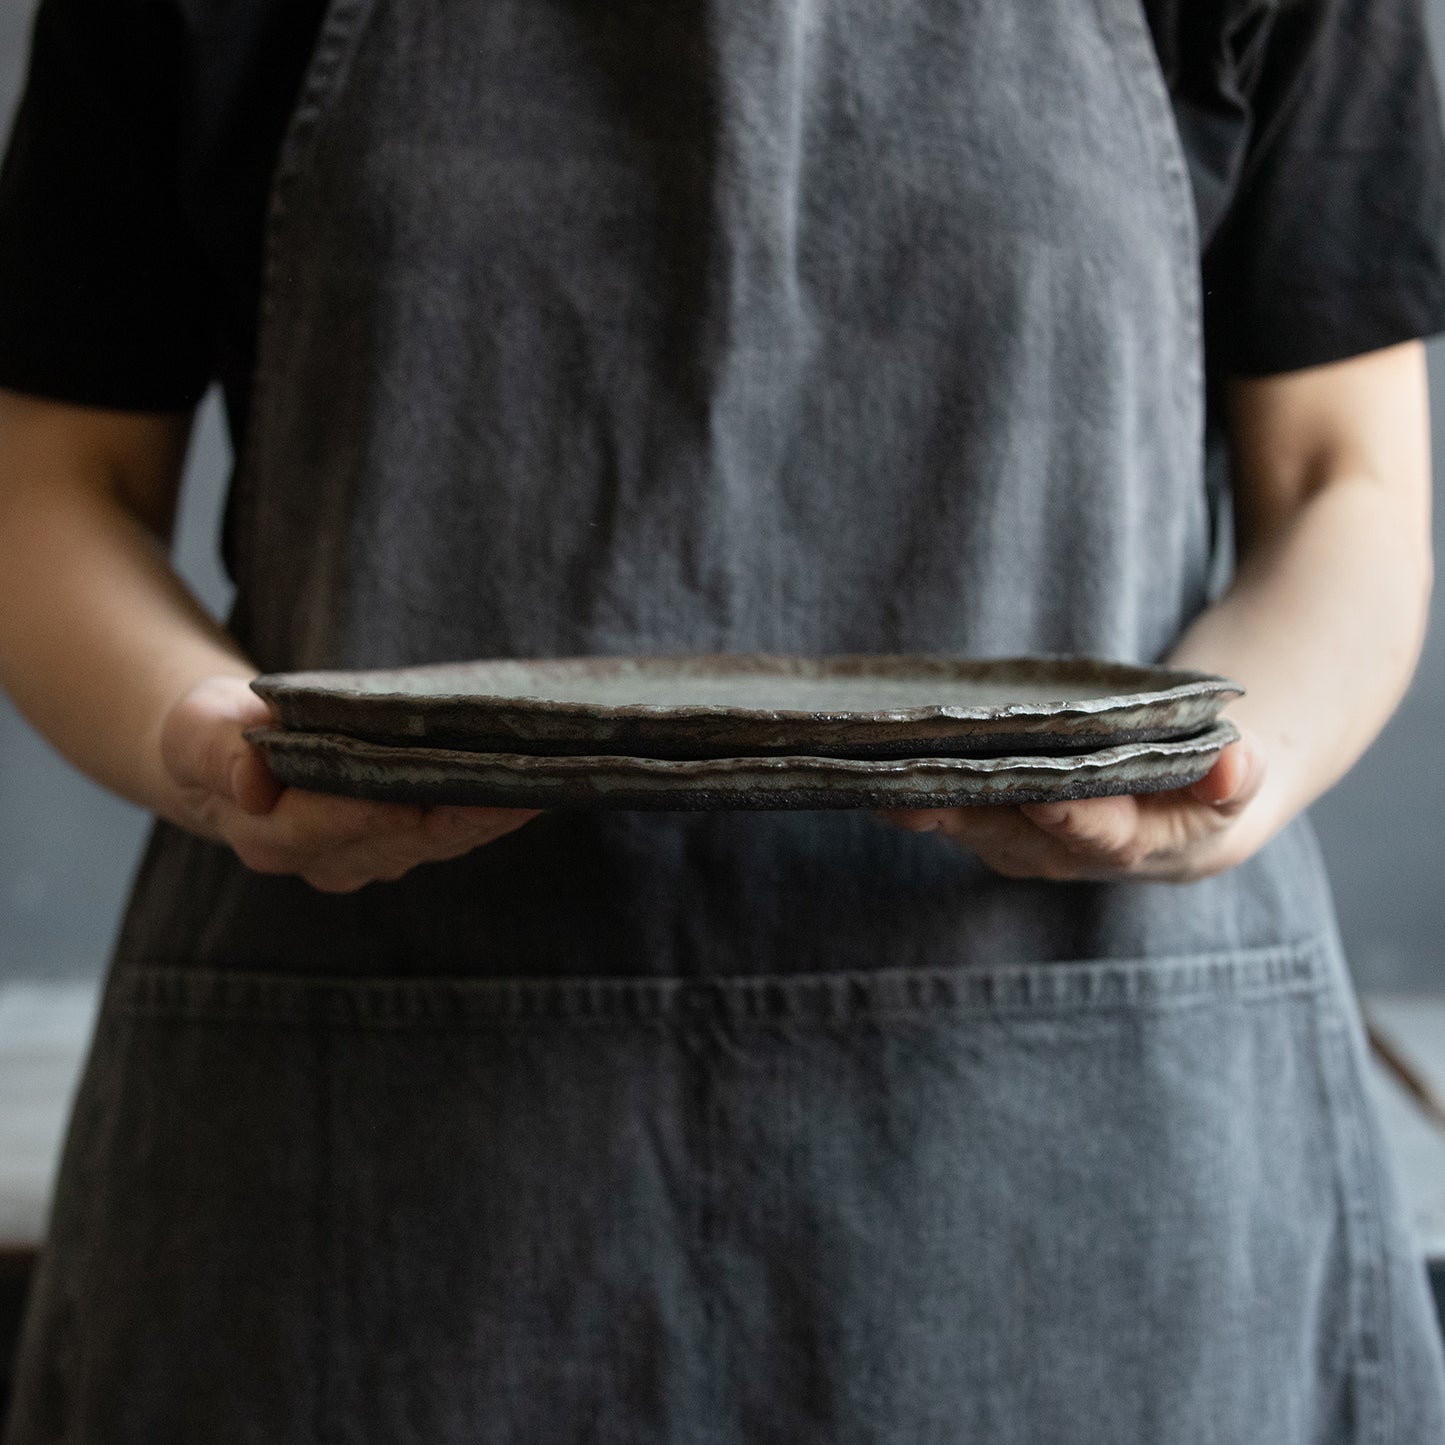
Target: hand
336 844
1176 837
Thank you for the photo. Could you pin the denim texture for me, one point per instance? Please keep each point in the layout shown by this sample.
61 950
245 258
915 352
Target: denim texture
726 325
1093 1202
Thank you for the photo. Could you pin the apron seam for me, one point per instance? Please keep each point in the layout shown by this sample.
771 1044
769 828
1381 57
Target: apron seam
341 24
1143 78
325 1250
1370 1326
340 28
1036 990
860 1017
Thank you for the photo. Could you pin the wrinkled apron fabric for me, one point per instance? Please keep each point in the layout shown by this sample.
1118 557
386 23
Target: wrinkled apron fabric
789 325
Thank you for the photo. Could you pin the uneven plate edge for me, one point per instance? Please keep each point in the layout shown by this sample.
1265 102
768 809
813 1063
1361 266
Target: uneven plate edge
1176 766
294 700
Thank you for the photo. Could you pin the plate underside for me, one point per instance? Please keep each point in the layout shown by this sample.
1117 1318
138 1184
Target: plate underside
336 764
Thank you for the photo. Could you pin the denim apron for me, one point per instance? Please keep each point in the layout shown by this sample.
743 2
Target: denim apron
726 325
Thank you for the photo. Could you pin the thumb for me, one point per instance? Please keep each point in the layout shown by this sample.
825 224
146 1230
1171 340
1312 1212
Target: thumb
1237 775
202 746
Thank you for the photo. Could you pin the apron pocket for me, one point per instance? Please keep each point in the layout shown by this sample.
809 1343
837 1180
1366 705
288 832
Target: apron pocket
1094 1201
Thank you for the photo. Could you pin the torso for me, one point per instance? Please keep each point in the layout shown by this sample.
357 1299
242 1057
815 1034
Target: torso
622 378
236 70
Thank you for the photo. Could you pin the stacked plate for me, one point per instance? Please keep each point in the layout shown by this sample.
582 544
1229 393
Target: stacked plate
745 731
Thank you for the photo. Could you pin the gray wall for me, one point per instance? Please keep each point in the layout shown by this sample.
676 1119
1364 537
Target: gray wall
67 849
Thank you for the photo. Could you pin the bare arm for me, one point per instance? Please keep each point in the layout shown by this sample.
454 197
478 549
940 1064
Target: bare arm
1323 624
104 650
1326 617
97 635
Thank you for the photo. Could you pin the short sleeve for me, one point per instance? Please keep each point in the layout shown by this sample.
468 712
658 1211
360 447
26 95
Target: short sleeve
1334 242
103 297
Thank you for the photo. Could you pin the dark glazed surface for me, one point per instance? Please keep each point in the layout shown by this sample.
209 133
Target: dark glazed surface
718 706
328 763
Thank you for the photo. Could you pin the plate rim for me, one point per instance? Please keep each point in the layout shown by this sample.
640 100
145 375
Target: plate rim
274 686
528 765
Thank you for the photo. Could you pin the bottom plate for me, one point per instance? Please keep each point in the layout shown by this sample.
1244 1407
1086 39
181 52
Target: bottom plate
331 763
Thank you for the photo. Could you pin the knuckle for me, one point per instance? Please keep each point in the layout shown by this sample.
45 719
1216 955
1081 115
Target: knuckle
913 821
390 872
1208 865
294 833
330 881
1058 870
316 825
456 848
1074 826
391 857
377 818
263 857
1008 866
363 817
1098 842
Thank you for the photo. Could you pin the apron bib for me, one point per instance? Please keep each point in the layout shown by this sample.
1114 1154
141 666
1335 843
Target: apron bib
726 325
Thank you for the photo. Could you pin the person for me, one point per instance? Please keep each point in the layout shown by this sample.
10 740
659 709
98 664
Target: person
548 330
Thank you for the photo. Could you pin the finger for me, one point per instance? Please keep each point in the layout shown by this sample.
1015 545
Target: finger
1087 840
1236 777
966 825
1093 827
384 857
254 788
913 820
310 831
452 831
341 844
305 827
344 870
314 823
1009 844
971 826
1001 837
203 750
1143 836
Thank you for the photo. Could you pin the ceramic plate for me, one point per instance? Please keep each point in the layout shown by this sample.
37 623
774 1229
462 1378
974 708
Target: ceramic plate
731 705
330 763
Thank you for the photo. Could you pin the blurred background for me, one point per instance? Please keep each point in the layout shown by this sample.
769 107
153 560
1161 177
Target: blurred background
67 851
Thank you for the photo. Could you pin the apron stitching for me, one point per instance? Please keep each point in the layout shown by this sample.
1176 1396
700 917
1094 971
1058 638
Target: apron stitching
708 1220
324 1251
697 1205
108 1058
333 46
1169 148
1035 990
1144 80
982 1015
340 26
49 1330
1370 1322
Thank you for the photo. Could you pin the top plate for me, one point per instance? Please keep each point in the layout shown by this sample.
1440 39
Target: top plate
754 704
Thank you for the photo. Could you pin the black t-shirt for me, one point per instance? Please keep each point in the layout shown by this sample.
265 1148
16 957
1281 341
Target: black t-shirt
133 192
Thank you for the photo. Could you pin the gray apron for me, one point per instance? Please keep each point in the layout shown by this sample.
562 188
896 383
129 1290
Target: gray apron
726 325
